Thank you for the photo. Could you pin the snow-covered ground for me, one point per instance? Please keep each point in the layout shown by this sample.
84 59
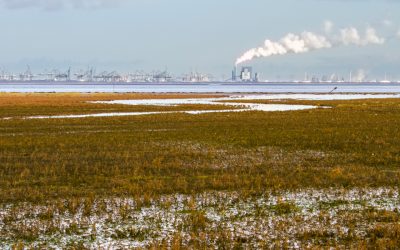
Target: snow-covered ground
226 101
316 97
270 219
246 107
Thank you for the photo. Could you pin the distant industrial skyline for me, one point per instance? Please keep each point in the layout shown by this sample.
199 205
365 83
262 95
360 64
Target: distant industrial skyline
200 36
245 74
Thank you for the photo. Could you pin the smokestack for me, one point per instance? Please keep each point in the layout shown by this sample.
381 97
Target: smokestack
234 73
256 77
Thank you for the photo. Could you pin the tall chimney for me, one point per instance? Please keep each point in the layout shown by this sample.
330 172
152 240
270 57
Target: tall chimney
234 75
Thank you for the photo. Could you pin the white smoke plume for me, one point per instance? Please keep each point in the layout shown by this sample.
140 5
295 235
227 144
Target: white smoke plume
359 76
291 43
387 23
58 4
308 41
351 36
328 26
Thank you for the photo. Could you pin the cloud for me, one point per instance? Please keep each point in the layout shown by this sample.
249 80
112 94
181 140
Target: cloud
58 4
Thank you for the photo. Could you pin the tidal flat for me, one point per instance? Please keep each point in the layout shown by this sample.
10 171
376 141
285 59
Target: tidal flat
323 177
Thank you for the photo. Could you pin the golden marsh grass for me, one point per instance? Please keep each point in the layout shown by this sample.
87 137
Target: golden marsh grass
59 163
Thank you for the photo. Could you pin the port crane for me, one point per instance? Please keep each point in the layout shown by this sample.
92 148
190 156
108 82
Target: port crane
27 75
163 76
85 76
63 76
108 77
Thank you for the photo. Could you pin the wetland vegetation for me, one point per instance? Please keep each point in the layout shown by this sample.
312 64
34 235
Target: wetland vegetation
295 179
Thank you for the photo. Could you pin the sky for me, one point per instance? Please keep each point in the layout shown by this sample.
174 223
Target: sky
197 35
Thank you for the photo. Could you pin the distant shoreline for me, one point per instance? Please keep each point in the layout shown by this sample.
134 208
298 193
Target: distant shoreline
44 82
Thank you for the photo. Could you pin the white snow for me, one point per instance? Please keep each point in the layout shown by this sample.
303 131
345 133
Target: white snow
251 218
316 97
223 100
239 107
248 107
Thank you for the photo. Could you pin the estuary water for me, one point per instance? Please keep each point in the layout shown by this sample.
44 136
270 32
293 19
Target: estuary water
23 87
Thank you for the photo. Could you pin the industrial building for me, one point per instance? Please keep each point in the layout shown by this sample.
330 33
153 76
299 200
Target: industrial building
246 75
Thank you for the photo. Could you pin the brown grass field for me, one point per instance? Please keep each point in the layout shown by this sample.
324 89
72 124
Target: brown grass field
221 179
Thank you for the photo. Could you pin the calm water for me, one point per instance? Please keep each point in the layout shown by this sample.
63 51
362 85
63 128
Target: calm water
198 87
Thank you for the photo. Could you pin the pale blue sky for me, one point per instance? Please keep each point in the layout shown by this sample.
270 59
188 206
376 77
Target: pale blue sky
206 35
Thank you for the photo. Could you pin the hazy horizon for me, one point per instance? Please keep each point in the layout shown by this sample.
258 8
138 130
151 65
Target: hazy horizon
205 36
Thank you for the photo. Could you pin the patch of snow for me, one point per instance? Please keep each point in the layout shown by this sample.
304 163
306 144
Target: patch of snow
253 218
250 107
240 107
314 97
